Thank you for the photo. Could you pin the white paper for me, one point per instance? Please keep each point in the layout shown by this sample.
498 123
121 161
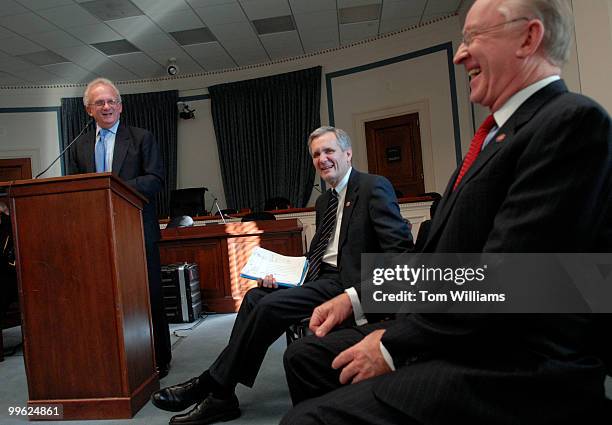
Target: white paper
286 270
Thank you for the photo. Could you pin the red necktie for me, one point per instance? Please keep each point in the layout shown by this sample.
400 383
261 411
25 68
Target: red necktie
475 147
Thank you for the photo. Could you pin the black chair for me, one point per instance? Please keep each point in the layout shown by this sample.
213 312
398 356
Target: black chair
277 203
258 216
180 221
227 211
188 201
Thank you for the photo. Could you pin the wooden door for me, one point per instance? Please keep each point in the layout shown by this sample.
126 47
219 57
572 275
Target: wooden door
394 151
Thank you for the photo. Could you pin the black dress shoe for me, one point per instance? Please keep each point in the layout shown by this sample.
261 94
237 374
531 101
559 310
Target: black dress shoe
208 411
180 396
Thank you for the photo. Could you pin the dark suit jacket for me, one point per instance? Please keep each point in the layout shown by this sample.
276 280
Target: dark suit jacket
371 222
136 160
545 187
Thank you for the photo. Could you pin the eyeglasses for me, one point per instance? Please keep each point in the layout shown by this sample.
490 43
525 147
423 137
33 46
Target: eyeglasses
468 36
110 102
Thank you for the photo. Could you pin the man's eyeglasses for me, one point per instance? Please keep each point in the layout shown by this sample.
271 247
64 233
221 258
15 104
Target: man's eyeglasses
109 102
468 36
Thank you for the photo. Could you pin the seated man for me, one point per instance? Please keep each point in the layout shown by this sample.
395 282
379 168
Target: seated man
546 165
359 213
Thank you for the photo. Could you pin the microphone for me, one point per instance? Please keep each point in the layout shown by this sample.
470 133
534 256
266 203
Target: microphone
65 149
317 187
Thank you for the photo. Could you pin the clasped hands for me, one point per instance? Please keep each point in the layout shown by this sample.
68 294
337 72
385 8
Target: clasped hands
361 361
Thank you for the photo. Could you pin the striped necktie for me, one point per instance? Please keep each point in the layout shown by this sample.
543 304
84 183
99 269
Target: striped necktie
101 151
475 148
327 227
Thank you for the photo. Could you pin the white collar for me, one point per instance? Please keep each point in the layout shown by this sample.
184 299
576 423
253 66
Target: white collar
504 113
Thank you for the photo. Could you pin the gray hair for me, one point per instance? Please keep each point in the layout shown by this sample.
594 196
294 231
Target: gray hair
558 21
344 141
97 82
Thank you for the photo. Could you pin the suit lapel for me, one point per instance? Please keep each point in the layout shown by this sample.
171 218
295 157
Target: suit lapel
352 195
122 140
89 147
522 115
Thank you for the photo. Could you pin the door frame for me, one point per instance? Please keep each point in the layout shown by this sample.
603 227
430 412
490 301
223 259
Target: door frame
422 108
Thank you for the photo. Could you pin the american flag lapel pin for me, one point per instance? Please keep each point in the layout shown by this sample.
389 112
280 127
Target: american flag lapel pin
348 204
500 138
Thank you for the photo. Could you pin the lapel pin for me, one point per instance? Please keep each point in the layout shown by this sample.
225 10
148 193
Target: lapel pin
348 204
500 138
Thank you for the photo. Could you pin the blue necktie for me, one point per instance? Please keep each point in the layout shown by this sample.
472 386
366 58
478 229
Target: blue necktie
101 151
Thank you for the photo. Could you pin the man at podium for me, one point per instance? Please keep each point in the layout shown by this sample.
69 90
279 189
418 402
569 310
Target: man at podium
132 154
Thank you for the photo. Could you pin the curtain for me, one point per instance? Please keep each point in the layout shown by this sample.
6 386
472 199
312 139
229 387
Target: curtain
262 129
156 112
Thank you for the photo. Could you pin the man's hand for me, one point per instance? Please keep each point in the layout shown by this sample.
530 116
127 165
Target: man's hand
363 360
267 282
330 314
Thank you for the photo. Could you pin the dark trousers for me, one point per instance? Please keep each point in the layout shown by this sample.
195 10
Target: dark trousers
263 317
161 332
316 392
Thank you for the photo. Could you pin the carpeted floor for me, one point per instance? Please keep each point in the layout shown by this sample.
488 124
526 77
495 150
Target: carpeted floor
195 346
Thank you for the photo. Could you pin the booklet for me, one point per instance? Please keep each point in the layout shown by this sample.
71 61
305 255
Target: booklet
288 271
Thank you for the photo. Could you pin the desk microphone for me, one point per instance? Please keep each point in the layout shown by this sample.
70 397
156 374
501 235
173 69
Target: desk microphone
317 187
65 149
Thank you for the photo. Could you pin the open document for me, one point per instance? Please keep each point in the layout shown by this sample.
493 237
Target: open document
288 271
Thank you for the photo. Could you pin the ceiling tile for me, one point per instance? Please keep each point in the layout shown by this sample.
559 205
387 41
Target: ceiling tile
68 70
402 9
239 30
107 10
301 6
19 46
4 33
53 39
11 7
86 57
442 7
259 9
316 20
211 56
26 23
43 4
178 21
135 26
282 45
312 46
204 3
11 64
351 15
390 25
193 36
247 51
161 7
221 14
46 57
113 71
185 63
358 31
98 33
9 79
148 43
354 3
274 25
116 47
140 64
69 16
39 75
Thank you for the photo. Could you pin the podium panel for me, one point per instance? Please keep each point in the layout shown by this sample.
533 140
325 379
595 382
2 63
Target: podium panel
84 295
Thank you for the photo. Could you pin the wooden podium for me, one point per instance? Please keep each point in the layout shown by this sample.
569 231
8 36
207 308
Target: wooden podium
81 262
